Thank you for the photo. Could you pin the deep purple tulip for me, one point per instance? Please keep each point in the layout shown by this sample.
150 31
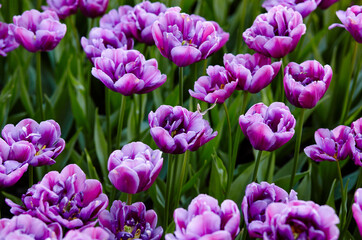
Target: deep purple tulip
7 42
117 20
256 200
127 72
324 4
357 148
45 138
331 145
206 220
93 8
275 33
134 168
26 227
306 83
216 87
357 209
37 31
67 198
175 129
304 7
268 128
14 161
186 39
130 222
63 8
253 72
301 220
351 21
90 233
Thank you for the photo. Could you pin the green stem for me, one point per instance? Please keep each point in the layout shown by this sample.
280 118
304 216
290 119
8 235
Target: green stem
268 171
108 119
120 121
181 178
112 195
169 185
342 194
181 86
281 85
230 149
31 176
297 146
257 162
129 199
39 85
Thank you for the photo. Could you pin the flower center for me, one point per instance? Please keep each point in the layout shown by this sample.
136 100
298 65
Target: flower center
40 151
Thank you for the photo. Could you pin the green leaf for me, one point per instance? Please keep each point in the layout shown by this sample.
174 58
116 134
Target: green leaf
101 145
218 178
195 177
237 188
12 198
330 200
283 182
91 169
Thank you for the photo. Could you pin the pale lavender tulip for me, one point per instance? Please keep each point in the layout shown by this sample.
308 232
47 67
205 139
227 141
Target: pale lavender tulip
253 72
304 7
306 83
63 8
93 8
357 209
357 148
324 4
90 233
7 42
275 33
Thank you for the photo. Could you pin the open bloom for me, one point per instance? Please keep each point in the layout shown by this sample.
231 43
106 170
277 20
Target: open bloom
357 209
130 222
45 137
67 198
301 220
116 20
306 83
268 128
37 31
351 21
90 233
304 7
175 129
275 33
186 39
331 145
27 227
216 87
357 148
7 42
63 8
205 219
324 4
253 72
93 8
256 200
127 72
134 168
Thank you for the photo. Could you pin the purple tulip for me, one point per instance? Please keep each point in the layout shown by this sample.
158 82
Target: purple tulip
256 200
357 209
216 87
306 83
67 198
304 7
63 8
268 128
90 233
324 4
37 31
275 33
301 220
93 8
26 227
186 39
175 129
45 138
331 145
205 220
134 168
7 42
127 72
357 148
14 161
101 39
352 21
130 222
117 20
253 72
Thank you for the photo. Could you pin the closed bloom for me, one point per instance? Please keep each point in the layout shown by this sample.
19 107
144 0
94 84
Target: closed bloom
357 147
357 209
275 33
63 8
93 8
175 129
304 7
324 4
216 87
127 72
37 31
90 233
256 200
351 21
45 137
268 128
253 72
306 83
130 222
301 220
134 168
186 39
7 42
26 227
205 219
67 198
331 145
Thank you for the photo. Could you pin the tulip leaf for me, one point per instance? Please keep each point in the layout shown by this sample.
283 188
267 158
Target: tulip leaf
284 182
24 94
12 198
192 181
238 186
218 178
101 145
91 169
330 200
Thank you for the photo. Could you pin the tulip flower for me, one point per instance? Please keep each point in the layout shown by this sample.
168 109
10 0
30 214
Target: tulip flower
275 36
356 127
93 8
115 20
63 8
7 42
304 7
90 233
357 209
